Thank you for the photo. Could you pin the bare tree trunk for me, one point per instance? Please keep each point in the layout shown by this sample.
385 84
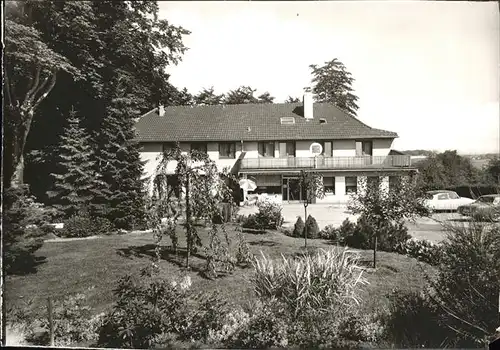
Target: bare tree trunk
375 252
305 226
188 222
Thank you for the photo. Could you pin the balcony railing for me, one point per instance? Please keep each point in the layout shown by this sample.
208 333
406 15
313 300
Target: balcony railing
363 162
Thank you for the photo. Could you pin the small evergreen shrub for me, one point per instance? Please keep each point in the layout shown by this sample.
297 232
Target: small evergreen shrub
311 228
298 229
268 217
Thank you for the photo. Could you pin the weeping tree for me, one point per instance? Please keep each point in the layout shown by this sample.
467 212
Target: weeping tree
311 186
196 190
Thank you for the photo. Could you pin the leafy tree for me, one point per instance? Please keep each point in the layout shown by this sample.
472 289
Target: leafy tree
202 190
432 174
291 99
208 97
77 185
311 186
382 208
31 70
265 98
120 163
333 83
104 39
491 172
242 95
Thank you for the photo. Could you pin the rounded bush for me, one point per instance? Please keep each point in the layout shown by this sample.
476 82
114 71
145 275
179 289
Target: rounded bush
298 229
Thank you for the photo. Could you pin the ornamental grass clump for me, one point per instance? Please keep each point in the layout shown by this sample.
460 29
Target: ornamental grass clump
322 281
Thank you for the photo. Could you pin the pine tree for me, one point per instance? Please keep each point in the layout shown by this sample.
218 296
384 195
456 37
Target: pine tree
121 165
77 186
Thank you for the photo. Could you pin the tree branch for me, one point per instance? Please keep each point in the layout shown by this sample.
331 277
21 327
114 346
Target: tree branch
34 85
7 88
48 90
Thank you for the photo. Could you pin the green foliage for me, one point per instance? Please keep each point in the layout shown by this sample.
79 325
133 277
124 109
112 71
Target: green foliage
466 286
242 95
315 282
265 98
268 217
208 97
291 99
298 229
243 254
77 185
217 254
422 250
330 232
84 225
150 311
333 83
413 320
311 227
22 237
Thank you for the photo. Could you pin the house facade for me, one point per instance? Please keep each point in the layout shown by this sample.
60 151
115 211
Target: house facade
272 143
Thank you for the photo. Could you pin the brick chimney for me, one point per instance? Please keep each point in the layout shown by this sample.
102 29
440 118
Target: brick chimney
161 110
308 105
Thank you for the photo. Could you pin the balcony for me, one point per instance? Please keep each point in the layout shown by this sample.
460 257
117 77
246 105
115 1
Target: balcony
363 162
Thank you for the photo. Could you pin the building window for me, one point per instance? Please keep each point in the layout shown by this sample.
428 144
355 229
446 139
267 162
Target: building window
266 149
351 184
367 148
290 148
168 146
227 150
329 184
394 181
199 146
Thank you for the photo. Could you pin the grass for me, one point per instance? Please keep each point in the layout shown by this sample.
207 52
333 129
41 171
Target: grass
93 267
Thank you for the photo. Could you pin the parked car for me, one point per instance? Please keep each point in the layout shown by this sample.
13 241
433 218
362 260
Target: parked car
485 207
444 200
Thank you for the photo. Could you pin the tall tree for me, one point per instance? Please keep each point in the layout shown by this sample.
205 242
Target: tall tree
242 95
31 70
333 83
78 186
265 98
208 97
120 163
291 99
103 39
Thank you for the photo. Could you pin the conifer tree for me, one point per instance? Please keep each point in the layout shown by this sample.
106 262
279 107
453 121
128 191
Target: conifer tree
120 163
77 186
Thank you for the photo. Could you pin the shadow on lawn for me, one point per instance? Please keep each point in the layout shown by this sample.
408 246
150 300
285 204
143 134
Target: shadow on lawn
167 254
263 242
26 265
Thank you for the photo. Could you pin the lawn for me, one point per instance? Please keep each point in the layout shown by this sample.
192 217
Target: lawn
93 266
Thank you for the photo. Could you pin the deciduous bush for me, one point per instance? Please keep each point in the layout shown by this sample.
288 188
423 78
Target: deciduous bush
151 311
330 232
269 217
413 320
422 250
84 225
298 229
311 227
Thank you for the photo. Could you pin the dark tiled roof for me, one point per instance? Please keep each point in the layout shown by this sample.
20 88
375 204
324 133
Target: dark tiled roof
252 122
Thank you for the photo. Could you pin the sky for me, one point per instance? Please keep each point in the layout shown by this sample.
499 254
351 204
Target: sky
429 71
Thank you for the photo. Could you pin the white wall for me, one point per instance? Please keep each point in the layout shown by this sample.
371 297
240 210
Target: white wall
251 149
150 153
384 183
382 147
302 148
343 148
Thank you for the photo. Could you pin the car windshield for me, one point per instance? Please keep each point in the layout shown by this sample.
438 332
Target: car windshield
453 195
486 199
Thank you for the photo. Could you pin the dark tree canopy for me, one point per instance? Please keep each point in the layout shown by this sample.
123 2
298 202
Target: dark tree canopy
266 98
209 97
242 95
291 99
333 83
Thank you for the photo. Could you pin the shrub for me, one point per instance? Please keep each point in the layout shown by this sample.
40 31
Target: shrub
309 282
330 232
22 218
150 311
359 235
84 226
312 227
243 255
298 229
422 250
413 321
268 217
